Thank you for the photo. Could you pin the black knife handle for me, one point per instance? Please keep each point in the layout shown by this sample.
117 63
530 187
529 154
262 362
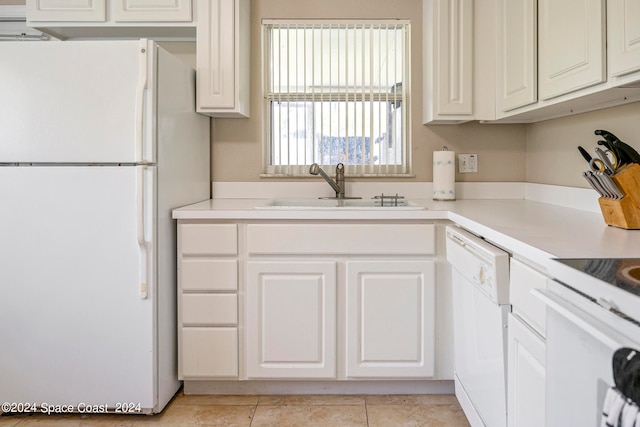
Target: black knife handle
584 153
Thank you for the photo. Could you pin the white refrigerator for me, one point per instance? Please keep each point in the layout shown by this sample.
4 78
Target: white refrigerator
99 141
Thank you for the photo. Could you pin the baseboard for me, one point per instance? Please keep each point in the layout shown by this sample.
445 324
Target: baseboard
268 387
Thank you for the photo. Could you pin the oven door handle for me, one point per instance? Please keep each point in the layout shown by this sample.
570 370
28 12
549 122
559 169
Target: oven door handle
586 321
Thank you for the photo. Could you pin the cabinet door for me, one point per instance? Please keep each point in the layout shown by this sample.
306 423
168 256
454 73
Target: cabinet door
571 45
517 53
623 32
68 10
526 376
390 318
152 10
448 70
208 353
223 58
522 280
291 319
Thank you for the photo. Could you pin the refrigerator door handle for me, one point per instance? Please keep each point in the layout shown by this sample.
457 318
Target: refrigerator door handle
142 241
140 91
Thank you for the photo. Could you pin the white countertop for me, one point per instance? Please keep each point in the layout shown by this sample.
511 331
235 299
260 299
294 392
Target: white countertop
537 232
517 225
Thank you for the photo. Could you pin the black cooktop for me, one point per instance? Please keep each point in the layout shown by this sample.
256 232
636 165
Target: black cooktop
621 272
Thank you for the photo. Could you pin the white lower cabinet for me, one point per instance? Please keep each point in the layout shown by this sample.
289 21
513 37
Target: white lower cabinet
390 318
526 379
207 300
527 346
291 319
211 352
323 300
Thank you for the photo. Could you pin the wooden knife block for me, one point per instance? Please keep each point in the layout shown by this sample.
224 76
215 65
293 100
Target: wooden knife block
625 212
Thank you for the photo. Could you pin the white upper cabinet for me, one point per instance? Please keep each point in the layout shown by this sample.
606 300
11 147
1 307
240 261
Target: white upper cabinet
161 19
588 57
71 10
223 58
571 47
517 66
152 10
623 30
448 61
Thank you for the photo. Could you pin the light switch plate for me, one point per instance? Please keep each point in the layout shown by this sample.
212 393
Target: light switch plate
467 163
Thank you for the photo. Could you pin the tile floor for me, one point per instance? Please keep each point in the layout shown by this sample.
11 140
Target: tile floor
280 411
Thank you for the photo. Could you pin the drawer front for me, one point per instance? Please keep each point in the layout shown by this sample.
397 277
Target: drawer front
208 239
208 275
367 239
523 279
209 353
209 309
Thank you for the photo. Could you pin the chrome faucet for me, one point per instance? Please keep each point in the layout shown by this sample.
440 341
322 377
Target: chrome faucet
338 184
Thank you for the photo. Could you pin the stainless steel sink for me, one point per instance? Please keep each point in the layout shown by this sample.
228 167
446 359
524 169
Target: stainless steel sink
342 204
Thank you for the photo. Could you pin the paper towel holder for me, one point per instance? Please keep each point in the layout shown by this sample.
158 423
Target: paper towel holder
444 175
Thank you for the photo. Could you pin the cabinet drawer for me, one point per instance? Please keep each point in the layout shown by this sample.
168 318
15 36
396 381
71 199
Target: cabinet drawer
208 275
341 239
209 353
209 309
523 279
208 239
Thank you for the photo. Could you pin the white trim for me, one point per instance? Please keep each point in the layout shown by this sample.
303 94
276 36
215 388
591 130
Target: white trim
585 199
13 13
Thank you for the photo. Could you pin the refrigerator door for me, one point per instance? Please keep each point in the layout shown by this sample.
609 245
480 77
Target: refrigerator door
74 102
77 310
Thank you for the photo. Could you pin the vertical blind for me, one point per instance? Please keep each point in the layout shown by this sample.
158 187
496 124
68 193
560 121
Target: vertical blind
337 93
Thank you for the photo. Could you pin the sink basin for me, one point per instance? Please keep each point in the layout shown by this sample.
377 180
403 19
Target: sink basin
342 204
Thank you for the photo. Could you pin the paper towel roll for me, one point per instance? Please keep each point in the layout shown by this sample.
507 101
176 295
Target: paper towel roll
444 175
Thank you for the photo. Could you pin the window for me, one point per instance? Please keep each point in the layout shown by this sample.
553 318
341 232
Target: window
337 93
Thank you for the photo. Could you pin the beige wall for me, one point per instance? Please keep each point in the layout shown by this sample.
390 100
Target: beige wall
552 154
544 152
237 143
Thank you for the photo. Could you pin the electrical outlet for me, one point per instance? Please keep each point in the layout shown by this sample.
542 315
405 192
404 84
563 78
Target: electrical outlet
467 163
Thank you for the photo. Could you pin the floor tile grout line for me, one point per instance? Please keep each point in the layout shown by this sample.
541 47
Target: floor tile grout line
253 414
366 411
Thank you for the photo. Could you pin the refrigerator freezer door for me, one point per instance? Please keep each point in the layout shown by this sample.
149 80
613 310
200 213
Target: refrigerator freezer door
73 325
72 102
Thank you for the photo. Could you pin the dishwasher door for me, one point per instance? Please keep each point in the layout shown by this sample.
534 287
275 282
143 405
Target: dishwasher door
480 281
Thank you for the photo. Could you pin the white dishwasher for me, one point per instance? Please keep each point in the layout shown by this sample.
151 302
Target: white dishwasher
480 278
